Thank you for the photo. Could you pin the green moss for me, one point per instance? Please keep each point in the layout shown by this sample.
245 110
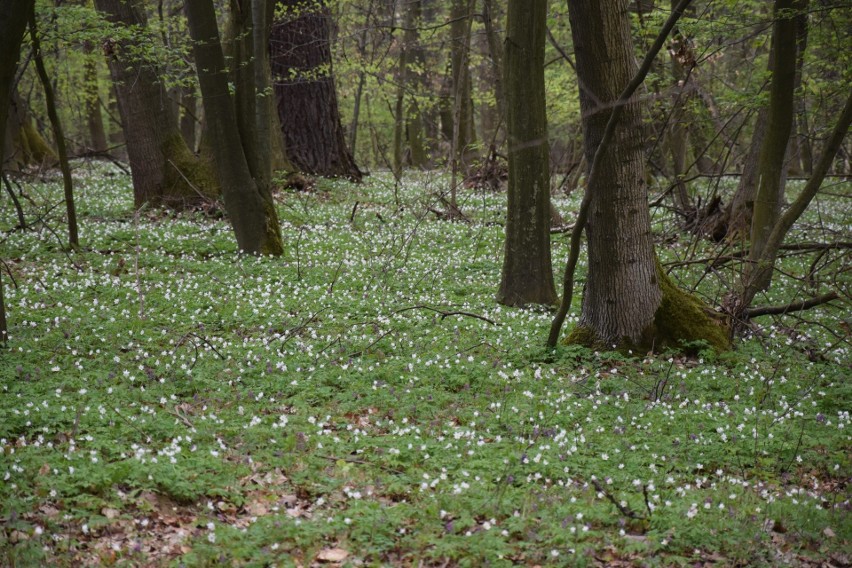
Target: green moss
682 318
583 336
189 179
680 322
273 243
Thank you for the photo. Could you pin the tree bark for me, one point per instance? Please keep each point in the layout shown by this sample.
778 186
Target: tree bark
164 170
13 23
70 209
629 301
767 204
464 135
622 291
250 206
300 55
94 119
24 145
527 276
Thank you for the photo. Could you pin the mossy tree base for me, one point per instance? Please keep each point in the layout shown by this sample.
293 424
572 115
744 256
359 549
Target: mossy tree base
681 321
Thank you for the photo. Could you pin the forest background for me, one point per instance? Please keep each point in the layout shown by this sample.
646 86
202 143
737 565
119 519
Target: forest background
411 174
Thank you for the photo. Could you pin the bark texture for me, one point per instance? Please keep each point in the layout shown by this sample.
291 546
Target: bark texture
58 135
622 290
300 56
527 276
767 204
164 170
13 23
250 206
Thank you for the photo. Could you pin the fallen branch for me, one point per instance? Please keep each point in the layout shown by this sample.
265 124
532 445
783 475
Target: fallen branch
791 307
626 511
447 314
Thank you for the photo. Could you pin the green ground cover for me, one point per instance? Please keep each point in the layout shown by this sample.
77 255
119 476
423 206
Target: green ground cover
364 401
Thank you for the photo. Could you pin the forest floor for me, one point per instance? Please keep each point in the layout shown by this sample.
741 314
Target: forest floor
364 401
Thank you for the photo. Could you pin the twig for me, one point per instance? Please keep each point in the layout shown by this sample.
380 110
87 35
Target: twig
626 511
447 314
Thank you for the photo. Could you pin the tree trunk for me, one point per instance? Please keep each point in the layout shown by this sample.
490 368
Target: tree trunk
188 116
495 53
24 145
770 192
622 290
13 23
628 300
250 206
164 170
94 119
527 276
463 129
300 54
70 209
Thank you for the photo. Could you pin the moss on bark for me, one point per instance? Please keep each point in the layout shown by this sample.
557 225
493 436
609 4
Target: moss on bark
189 178
680 321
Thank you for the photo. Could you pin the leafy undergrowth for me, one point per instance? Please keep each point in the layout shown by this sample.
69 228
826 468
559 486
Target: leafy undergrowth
364 401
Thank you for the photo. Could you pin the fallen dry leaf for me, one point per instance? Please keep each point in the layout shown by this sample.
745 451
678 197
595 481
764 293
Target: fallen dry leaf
109 513
332 555
44 469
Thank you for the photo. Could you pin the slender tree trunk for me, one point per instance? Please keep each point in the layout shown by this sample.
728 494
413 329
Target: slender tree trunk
188 116
164 170
527 276
767 204
300 54
495 52
463 129
805 154
761 267
13 23
70 209
94 119
250 206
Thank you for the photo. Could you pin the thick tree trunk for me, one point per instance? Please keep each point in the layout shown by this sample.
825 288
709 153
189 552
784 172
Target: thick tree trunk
767 204
622 289
628 301
527 276
13 23
24 145
250 206
300 55
164 170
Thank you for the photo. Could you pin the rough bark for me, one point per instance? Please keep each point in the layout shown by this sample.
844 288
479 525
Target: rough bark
767 204
188 116
622 288
495 58
628 301
527 276
300 56
24 145
94 119
164 170
250 207
462 103
13 23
